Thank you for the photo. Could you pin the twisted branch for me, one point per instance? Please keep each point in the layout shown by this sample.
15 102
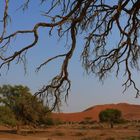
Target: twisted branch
94 20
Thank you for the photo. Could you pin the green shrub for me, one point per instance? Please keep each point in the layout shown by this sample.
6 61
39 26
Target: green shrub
26 108
7 116
49 121
110 115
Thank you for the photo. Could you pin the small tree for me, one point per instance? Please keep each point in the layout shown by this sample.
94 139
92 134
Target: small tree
26 108
110 115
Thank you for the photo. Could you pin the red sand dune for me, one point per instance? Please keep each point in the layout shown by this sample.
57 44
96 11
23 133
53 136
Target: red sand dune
129 112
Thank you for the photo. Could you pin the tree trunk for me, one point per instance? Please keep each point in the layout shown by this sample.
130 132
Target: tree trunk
111 124
18 129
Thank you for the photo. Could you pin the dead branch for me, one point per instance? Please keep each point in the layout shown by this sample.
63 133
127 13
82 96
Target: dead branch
94 20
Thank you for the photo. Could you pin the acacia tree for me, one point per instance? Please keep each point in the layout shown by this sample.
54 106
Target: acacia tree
110 115
26 108
93 19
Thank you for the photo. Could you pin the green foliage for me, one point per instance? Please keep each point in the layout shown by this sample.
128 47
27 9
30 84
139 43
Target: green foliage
49 121
25 107
110 115
7 116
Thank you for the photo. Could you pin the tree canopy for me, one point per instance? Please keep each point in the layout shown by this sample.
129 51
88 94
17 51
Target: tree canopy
110 115
26 108
96 21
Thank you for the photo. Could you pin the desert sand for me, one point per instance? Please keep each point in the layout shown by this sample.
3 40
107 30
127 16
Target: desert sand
129 112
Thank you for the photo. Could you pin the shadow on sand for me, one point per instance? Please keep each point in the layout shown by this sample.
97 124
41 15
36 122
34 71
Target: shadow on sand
8 131
22 132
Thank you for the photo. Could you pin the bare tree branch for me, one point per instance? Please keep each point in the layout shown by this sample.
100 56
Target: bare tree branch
95 21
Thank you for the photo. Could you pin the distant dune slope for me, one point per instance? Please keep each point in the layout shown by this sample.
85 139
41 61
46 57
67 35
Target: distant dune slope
129 112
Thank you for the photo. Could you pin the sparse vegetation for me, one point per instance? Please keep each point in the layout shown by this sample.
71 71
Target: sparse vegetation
72 132
14 97
87 120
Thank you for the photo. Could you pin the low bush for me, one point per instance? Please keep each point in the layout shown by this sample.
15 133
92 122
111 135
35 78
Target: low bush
7 117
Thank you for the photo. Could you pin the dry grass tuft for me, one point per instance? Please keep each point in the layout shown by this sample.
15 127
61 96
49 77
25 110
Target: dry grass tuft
58 133
79 134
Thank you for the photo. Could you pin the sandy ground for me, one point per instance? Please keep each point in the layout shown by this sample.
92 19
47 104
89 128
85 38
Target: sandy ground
75 132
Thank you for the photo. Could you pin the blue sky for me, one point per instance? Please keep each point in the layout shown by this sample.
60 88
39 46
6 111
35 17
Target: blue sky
86 89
